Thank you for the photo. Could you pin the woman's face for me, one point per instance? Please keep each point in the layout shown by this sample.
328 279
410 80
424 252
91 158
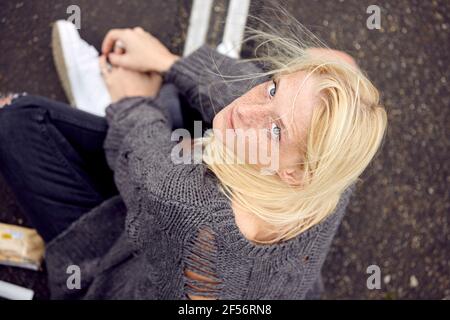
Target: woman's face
280 112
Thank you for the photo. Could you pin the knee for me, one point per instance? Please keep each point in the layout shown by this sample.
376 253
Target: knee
16 121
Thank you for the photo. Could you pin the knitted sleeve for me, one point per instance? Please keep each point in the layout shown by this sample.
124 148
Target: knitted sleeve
130 118
138 148
208 79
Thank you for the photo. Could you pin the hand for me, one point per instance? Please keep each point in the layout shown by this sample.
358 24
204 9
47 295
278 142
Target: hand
123 82
142 51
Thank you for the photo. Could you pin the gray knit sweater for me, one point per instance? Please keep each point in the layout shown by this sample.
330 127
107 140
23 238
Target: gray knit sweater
172 217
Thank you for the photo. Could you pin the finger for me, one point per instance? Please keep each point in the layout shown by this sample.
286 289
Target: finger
142 31
102 61
119 60
119 47
105 68
119 50
111 37
102 64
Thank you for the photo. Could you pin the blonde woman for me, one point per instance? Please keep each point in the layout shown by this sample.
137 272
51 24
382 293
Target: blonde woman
210 230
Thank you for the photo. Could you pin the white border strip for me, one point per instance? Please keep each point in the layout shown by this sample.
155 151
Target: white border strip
14 292
234 28
198 25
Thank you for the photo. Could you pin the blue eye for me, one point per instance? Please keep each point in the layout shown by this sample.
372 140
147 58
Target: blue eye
272 88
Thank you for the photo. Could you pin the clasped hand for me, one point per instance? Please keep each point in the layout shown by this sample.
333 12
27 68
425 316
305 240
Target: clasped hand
136 61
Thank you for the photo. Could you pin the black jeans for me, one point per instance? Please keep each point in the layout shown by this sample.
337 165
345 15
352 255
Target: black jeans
52 157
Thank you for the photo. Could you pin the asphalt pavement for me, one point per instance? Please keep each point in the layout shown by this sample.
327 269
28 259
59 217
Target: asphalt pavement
398 217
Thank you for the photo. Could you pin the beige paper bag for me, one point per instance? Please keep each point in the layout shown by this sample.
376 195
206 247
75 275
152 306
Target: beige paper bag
20 247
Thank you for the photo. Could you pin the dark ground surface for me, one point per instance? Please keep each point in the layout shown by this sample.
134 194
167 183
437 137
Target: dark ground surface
398 217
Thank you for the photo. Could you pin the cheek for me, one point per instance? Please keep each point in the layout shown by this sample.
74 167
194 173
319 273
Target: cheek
256 96
289 156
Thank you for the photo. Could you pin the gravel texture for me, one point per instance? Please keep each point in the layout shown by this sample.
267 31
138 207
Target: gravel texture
398 218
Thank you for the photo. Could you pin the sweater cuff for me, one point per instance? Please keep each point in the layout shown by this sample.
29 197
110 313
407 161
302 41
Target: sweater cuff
123 105
193 65
166 95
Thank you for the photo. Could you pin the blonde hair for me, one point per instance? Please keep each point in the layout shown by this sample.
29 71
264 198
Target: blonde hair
347 128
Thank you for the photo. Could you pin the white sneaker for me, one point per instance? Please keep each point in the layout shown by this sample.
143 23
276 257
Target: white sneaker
78 69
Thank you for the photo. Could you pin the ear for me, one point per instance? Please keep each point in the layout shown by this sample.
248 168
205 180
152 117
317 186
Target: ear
291 176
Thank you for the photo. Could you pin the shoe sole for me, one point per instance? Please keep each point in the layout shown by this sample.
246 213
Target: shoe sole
60 63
